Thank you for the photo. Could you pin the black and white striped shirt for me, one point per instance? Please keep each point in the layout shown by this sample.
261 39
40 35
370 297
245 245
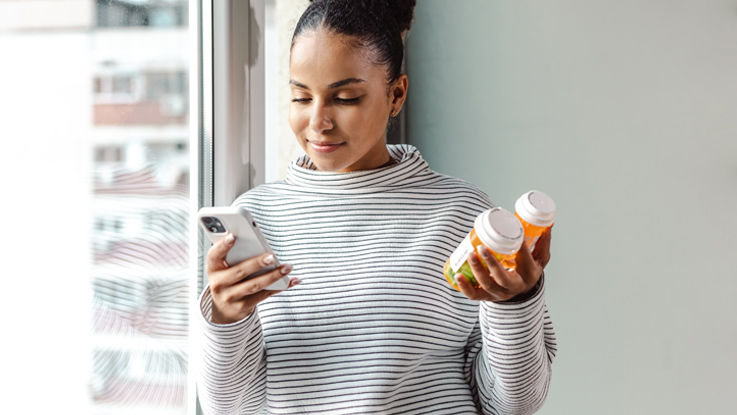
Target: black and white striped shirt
374 327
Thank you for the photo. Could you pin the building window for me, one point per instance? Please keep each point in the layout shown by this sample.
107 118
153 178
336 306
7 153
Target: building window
136 13
108 154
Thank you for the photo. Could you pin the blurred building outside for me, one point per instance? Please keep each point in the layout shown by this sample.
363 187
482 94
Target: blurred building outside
139 112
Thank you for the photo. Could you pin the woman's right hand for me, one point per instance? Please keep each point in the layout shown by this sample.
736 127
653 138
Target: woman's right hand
232 297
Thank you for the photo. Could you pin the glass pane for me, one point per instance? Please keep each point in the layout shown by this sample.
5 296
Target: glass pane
140 203
101 87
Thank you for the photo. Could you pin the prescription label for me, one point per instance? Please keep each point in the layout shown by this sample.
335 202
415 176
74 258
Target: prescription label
458 257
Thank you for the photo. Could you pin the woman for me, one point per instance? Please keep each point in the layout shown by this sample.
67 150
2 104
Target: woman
373 327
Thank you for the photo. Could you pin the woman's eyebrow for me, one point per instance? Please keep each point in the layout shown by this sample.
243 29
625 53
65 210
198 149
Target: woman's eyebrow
331 86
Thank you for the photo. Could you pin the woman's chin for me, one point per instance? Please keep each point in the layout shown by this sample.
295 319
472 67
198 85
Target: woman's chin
327 161
327 165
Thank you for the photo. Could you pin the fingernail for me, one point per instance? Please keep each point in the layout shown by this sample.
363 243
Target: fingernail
295 281
285 269
269 259
229 238
480 250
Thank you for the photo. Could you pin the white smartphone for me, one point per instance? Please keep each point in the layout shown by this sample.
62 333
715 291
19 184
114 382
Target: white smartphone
249 241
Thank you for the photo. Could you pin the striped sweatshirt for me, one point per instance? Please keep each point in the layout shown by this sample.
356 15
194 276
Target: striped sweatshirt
373 328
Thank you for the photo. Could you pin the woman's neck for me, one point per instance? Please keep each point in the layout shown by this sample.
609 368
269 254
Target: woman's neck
388 163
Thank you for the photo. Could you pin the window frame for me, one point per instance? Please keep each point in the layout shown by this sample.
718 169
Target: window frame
227 126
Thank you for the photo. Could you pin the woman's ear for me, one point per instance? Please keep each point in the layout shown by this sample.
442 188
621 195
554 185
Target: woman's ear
398 92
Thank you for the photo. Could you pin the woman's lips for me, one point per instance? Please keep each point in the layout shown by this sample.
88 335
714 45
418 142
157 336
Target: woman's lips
325 147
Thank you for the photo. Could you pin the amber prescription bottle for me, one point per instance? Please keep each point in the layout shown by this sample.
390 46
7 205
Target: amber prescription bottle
536 211
497 229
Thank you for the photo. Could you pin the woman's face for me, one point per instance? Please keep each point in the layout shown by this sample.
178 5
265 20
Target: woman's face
340 103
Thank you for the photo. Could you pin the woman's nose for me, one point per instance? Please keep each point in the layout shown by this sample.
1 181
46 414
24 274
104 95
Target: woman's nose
320 119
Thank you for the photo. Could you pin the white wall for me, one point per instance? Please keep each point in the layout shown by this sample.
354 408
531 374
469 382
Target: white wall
625 112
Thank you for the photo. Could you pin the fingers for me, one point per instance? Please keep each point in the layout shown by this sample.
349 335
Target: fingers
233 303
264 294
256 285
467 289
510 281
261 296
250 266
486 282
541 254
221 280
527 268
499 284
475 293
217 252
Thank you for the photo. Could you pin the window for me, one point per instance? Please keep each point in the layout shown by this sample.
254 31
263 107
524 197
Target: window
100 148
107 154
133 13
112 88
140 246
161 84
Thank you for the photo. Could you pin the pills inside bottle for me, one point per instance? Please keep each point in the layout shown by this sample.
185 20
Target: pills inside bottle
536 211
497 229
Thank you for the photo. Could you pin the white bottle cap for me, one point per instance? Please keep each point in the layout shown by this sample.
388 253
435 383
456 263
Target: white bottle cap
499 230
536 208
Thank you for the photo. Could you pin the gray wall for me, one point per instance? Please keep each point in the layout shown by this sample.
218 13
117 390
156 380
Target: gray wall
625 112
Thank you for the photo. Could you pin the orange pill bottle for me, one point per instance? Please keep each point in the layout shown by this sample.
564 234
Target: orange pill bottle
497 229
536 211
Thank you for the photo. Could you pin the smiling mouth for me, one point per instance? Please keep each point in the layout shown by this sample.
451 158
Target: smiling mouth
324 143
324 146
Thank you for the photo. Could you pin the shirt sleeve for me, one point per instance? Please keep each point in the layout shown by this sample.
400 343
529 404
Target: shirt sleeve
509 355
232 367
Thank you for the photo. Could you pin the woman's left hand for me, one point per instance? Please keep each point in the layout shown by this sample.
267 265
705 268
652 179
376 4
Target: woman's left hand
500 284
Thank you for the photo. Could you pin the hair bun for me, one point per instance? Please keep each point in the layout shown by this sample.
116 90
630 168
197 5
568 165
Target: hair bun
379 25
403 11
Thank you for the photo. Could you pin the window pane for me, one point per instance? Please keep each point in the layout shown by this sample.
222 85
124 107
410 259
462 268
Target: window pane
131 13
140 256
95 88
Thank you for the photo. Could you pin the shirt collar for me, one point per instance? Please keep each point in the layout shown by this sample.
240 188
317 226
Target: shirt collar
410 164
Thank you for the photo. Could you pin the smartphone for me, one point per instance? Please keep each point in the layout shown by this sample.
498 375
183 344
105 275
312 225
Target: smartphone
249 241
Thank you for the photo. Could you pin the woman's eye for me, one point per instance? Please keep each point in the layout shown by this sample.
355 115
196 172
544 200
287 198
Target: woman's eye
338 100
347 100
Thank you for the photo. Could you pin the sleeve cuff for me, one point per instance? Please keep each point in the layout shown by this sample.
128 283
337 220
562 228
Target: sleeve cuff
522 301
244 324
520 298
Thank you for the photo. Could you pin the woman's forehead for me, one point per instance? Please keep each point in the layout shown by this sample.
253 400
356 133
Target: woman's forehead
320 58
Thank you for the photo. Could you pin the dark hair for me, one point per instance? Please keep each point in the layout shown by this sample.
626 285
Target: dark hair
376 24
